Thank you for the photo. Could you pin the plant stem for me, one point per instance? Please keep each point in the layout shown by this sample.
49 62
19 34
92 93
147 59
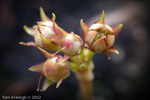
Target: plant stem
86 89
85 81
83 66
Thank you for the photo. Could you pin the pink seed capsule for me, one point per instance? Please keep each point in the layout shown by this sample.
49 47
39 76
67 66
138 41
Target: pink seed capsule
56 68
72 44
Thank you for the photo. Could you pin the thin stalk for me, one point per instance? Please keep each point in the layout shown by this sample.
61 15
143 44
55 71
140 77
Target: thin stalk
86 89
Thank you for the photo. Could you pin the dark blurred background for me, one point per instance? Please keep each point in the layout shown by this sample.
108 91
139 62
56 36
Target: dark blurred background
125 77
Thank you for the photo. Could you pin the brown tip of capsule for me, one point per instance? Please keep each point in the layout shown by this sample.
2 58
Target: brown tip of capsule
109 58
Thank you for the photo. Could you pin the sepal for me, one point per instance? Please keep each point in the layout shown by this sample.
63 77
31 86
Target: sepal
43 15
46 54
37 68
46 84
101 19
117 29
112 49
30 31
59 82
28 44
48 44
84 27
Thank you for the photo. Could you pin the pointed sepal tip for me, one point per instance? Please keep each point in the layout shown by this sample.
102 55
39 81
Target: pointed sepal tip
54 17
101 19
43 15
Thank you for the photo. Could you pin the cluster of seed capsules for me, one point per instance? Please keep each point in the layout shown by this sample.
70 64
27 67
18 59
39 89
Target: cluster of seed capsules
48 36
